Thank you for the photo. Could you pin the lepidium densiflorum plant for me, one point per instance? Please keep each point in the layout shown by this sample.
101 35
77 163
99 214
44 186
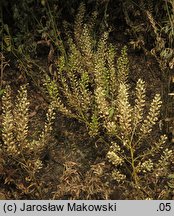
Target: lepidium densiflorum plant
91 85
85 84
135 157
21 153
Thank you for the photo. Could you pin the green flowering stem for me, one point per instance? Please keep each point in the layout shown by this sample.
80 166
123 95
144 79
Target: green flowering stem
134 173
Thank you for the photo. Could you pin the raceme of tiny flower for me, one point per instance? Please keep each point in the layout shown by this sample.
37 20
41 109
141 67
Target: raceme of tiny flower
114 158
119 177
152 116
124 109
139 103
